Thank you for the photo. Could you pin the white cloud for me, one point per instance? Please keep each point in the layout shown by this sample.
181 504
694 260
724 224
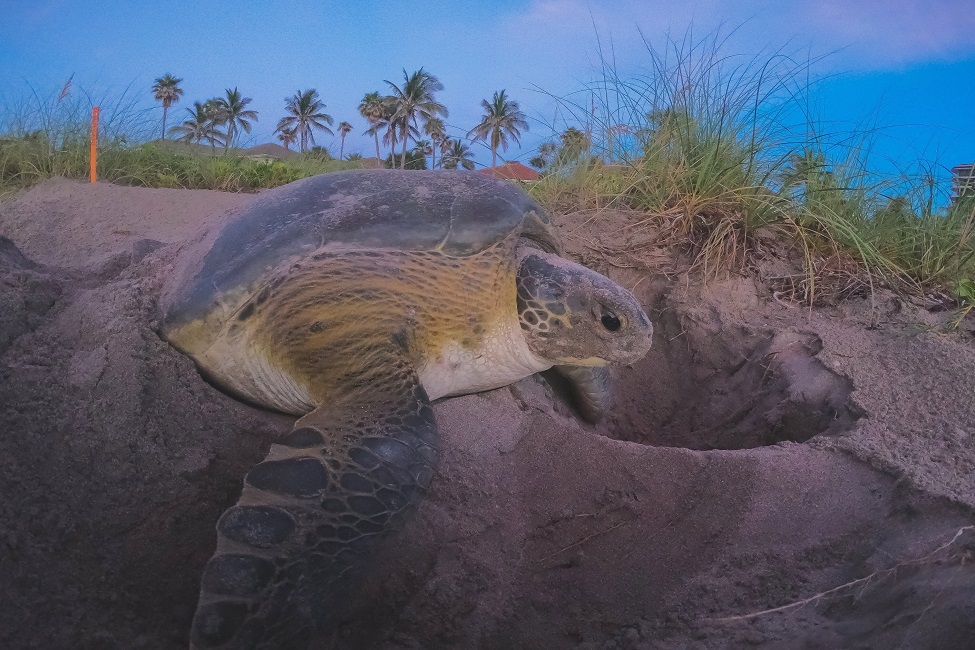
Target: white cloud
865 34
892 33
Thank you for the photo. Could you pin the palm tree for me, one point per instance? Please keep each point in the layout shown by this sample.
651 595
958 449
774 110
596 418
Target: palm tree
424 148
435 129
502 120
166 90
394 128
546 152
806 175
234 114
373 109
198 127
344 129
216 116
574 144
458 153
374 131
415 98
287 137
304 115
383 123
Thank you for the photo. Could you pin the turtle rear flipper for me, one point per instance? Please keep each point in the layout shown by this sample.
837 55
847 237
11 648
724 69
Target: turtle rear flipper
311 513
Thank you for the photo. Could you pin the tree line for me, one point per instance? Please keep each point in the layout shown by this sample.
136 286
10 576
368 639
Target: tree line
405 114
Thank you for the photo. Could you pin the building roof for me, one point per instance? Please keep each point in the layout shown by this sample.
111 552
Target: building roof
514 171
270 150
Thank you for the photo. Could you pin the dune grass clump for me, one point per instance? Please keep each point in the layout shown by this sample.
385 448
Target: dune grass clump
43 136
708 149
694 140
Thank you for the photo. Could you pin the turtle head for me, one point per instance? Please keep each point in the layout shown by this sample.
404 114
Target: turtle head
571 315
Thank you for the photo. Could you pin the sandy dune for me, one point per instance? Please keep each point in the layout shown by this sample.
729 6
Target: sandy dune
761 455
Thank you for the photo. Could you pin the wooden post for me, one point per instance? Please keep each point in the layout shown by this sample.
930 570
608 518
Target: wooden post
94 144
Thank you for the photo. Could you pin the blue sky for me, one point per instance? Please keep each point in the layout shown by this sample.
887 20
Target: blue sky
908 65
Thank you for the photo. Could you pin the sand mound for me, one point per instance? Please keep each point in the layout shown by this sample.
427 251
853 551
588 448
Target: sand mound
761 455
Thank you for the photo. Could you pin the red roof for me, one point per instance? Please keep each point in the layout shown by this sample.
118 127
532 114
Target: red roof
514 171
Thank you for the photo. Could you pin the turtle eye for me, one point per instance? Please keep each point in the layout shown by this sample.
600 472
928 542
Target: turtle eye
610 321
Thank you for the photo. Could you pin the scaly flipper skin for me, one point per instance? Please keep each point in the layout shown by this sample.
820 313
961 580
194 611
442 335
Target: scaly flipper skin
312 512
591 390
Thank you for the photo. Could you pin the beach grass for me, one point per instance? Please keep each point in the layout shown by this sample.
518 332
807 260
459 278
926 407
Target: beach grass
709 150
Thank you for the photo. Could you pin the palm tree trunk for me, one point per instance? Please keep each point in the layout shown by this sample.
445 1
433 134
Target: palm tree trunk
376 134
165 110
392 146
494 155
406 140
342 149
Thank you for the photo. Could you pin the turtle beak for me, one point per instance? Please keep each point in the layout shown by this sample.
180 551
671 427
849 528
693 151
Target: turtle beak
588 362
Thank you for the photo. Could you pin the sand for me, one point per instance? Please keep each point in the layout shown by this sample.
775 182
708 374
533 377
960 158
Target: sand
761 455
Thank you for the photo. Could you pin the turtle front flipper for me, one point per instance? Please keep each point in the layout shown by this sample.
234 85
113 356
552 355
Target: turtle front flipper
311 513
591 389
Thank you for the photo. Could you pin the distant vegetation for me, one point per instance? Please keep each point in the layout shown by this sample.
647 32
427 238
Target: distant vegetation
49 136
31 159
709 151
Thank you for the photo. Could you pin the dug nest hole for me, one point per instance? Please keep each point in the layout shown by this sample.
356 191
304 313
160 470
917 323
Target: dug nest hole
707 385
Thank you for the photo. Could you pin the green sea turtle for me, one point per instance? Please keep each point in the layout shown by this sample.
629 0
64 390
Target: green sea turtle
352 300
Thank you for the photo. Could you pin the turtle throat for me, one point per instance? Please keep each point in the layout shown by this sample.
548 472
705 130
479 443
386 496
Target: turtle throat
500 358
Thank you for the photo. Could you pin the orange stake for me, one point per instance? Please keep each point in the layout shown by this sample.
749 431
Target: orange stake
94 144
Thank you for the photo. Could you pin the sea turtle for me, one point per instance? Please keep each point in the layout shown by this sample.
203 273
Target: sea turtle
352 300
